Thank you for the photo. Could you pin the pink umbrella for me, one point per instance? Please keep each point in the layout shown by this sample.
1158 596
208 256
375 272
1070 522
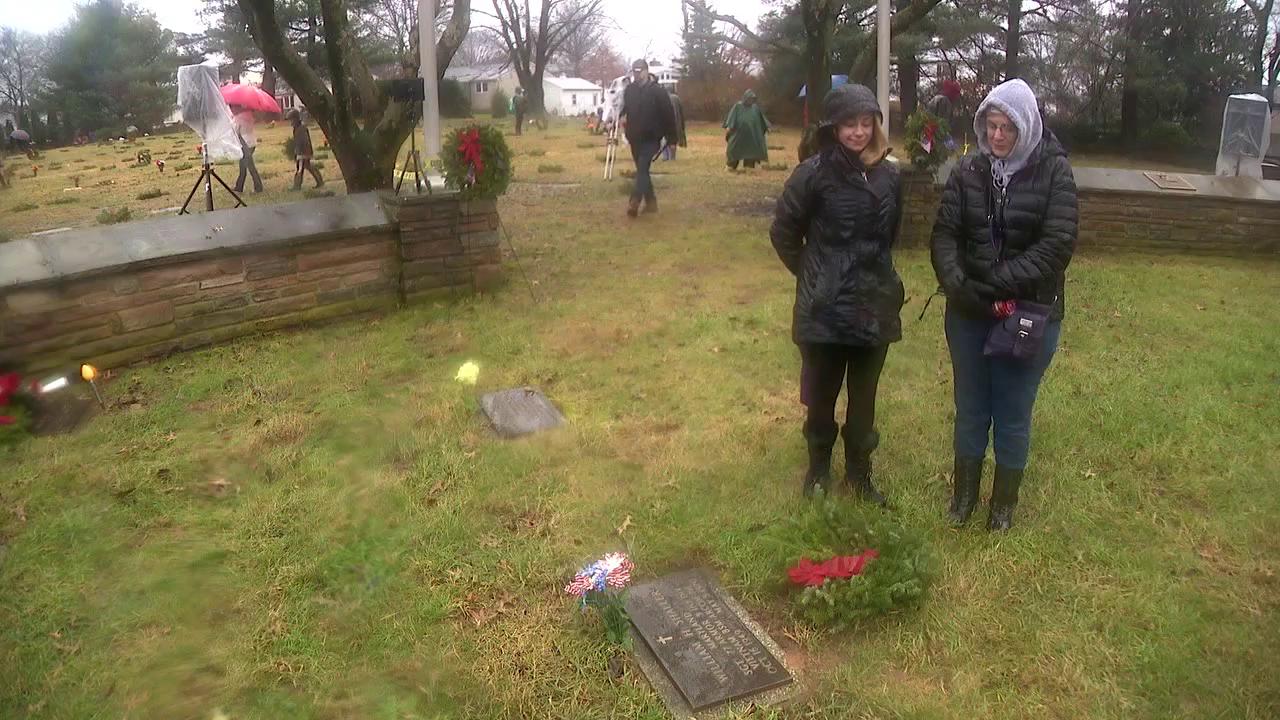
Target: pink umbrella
249 96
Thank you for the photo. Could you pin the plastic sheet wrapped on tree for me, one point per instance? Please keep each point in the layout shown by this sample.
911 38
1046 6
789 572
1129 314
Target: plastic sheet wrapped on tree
1246 134
206 112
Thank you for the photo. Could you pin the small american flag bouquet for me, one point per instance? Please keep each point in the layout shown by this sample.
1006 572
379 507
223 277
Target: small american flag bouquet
601 585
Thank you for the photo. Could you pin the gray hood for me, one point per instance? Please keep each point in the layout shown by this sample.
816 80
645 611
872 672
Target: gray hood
1015 99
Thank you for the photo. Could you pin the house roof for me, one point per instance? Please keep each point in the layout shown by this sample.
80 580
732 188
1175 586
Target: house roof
572 83
465 73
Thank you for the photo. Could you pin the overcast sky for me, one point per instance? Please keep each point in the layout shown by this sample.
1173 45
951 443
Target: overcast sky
643 25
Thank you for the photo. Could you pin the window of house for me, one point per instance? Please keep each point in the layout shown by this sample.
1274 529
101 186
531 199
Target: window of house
482 87
573 99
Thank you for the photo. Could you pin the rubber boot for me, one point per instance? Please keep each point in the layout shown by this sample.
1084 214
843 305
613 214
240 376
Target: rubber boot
964 491
818 476
633 208
857 466
1004 498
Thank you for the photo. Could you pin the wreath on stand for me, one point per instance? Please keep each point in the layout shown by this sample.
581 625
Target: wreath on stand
929 141
476 162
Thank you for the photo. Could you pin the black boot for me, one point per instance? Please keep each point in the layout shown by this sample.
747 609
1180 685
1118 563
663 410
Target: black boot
1004 498
964 491
818 476
857 466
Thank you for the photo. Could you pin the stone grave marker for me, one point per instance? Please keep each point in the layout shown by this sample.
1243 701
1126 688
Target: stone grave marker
701 641
520 411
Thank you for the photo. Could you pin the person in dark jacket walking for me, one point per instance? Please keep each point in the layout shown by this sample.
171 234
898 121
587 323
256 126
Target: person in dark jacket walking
834 226
646 109
302 151
682 138
1005 231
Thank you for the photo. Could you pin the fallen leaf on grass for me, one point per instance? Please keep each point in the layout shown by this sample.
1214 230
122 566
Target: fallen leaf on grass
1090 474
626 524
20 512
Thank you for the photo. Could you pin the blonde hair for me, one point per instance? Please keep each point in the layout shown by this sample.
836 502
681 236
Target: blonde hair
878 147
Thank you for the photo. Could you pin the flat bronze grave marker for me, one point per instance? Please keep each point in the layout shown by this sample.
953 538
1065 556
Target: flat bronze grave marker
1170 181
701 638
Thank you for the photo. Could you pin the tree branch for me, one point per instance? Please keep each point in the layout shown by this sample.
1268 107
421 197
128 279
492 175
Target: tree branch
761 44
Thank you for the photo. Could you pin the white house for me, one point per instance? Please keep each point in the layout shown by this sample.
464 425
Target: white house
482 81
570 96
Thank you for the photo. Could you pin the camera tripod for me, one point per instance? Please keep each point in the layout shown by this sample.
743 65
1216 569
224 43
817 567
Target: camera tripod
207 176
419 177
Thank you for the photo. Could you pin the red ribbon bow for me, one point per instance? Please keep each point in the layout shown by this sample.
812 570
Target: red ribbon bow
806 572
929 129
469 146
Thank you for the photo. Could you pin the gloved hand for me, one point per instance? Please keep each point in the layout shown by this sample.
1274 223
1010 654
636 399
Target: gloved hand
974 297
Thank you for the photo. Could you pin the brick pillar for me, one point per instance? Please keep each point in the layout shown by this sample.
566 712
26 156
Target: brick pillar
447 247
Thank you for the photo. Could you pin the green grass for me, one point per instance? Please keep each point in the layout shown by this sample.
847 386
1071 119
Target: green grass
68 200
550 168
152 194
23 207
317 524
112 217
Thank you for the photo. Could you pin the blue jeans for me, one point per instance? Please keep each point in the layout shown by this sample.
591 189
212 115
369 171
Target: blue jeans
642 153
994 391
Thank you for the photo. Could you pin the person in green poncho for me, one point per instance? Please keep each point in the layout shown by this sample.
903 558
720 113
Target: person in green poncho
745 129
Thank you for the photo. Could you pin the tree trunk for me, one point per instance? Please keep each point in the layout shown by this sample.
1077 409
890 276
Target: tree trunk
1273 71
1013 41
908 83
1260 41
1129 88
268 78
368 154
817 50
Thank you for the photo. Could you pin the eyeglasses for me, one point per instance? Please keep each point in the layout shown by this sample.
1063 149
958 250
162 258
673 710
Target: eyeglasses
1006 129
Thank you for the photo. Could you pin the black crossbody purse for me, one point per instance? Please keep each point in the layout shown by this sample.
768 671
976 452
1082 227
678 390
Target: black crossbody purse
1020 335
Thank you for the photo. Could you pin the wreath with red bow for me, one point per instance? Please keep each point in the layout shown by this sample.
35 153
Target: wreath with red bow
476 162
845 563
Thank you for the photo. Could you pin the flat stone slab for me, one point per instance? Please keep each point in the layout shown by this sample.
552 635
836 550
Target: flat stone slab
520 411
704 644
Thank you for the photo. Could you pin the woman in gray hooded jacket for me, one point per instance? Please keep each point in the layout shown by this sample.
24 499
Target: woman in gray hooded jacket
1005 231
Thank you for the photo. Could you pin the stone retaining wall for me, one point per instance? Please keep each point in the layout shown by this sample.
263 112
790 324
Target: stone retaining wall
116 295
1121 210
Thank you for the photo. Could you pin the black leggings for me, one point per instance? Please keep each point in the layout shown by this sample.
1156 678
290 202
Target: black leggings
824 368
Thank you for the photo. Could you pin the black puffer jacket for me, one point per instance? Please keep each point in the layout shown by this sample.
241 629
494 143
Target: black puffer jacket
650 117
833 228
1040 214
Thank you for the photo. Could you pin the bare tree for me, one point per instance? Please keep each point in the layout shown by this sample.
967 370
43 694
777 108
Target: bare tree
1261 10
603 65
21 69
580 45
481 48
367 155
530 46
394 22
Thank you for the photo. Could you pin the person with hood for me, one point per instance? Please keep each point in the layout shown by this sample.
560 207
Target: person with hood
834 227
1004 235
649 119
745 128
682 138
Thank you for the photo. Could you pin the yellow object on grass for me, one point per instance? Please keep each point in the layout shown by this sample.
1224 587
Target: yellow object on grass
469 373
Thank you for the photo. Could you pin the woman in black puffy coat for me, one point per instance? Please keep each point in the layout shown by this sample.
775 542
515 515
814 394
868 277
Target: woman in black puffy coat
834 226
1005 232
